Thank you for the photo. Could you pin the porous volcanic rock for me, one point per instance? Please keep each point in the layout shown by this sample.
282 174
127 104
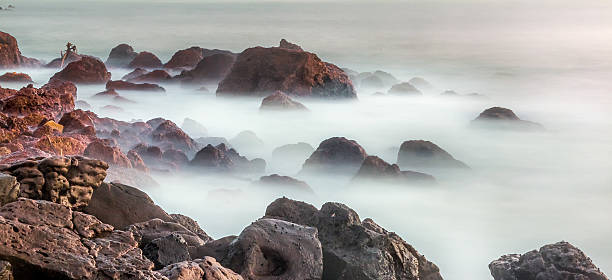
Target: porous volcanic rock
88 70
51 100
425 154
206 268
279 101
121 56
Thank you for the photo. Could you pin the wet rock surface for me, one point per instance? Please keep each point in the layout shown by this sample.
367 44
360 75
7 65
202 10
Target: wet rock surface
145 60
336 153
123 85
185 59
14 77
87 70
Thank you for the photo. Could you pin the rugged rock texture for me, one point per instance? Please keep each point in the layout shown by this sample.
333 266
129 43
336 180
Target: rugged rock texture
206 268
77 120
260 71
276 249
121 56
284 183
557 261
220 158
503 118
284 44
51 101
10 56
355 249
281 102
404 89
167 250
6 271
123 85
120 205
168 133
155 76
185 59
336 154
211 69
145 60
191 225
88 70
69 181
49 241
14 77
70 57
9 189
103 150
425 154
374 168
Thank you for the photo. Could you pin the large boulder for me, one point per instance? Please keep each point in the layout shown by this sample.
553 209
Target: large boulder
77 120
374 168
221 158
206 268
336 154
355 249
404 89
425 154
210 69
557 261
10 56
167 132
50 241
276 249
14 77
155 76
103 150
503 118
279 101
123 85
121 205
284 44
261 71
88 70
120 56
145 60
51 100
185 59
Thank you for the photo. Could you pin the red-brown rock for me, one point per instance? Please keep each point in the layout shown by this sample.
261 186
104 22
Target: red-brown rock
185 59
120 56
123 85
51 100
155 76
14 77
284 44
101 150
88 70
77 120
281 101
10 56
145 60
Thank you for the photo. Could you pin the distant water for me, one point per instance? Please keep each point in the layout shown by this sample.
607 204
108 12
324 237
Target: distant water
550 61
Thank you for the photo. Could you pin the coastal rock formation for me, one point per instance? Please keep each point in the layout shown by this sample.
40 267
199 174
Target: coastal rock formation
185 59
281 102
206 268
355 249
103 150
168 133
120 56
425 154
420 83
404 89
123 85
374 168
69 58
260 71
194 128
376 80
10 56
284 44
503 118
145 60
135 73
336 153
283 183
88 70
210 69
554 262
9 189
292 152
155 76
51 100
220 158
14 77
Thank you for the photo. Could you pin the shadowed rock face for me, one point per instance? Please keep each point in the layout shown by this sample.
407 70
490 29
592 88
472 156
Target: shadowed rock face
355 249
425 154
145 60
220 158
206 268
210 69
88 70
374 168
503 118
187 58
557 261
284 44
10 56
120 56
260 71
337 153
281 102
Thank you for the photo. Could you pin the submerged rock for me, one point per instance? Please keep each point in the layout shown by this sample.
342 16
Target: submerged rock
425 154
260 71
121 56
135 73
220 158
281 102
123 85
88 70
145 60
503 118
155 76
374 168
557 261
336 153
283 183
404 89
185 59
14 77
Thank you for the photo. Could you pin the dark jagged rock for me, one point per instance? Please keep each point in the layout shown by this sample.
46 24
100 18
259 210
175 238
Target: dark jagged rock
211 69
503 118
145 60
123 85
220 158
136 73
557 261
14 77
191 225
404 89
374 168
284 44
10 56
336 153
284 183
281 102
185 59
77 120
355 249
206 268
169 132
155 76
260 71
121 56
121 205
167 250
425 154
88 70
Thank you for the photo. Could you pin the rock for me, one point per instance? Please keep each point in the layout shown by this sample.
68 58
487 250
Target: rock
176 157
284 44
155 76
148 231
281 101
10 56
185 59
109 93
292 152
6 271
77 120
420 83
284 183
9 190
425 154
354 249
123 85
169 132
60 145
247 141
121 205
121 56
211 69
194 128
374 168
136 73
260 71
220 158
377 79
552 262
503 118
372 81
88 70
14 77
49 241
200 269
81 104
51 100
336 153
191 225
145 60
203 141
49 128
101 150
70 57
167 250
404 89
275 249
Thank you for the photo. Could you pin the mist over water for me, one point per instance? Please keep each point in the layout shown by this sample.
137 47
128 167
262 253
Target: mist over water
548 61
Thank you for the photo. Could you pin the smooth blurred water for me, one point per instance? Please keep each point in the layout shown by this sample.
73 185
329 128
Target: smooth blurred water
549 61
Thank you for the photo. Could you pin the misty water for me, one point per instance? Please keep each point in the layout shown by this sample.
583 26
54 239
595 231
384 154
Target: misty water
548 61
